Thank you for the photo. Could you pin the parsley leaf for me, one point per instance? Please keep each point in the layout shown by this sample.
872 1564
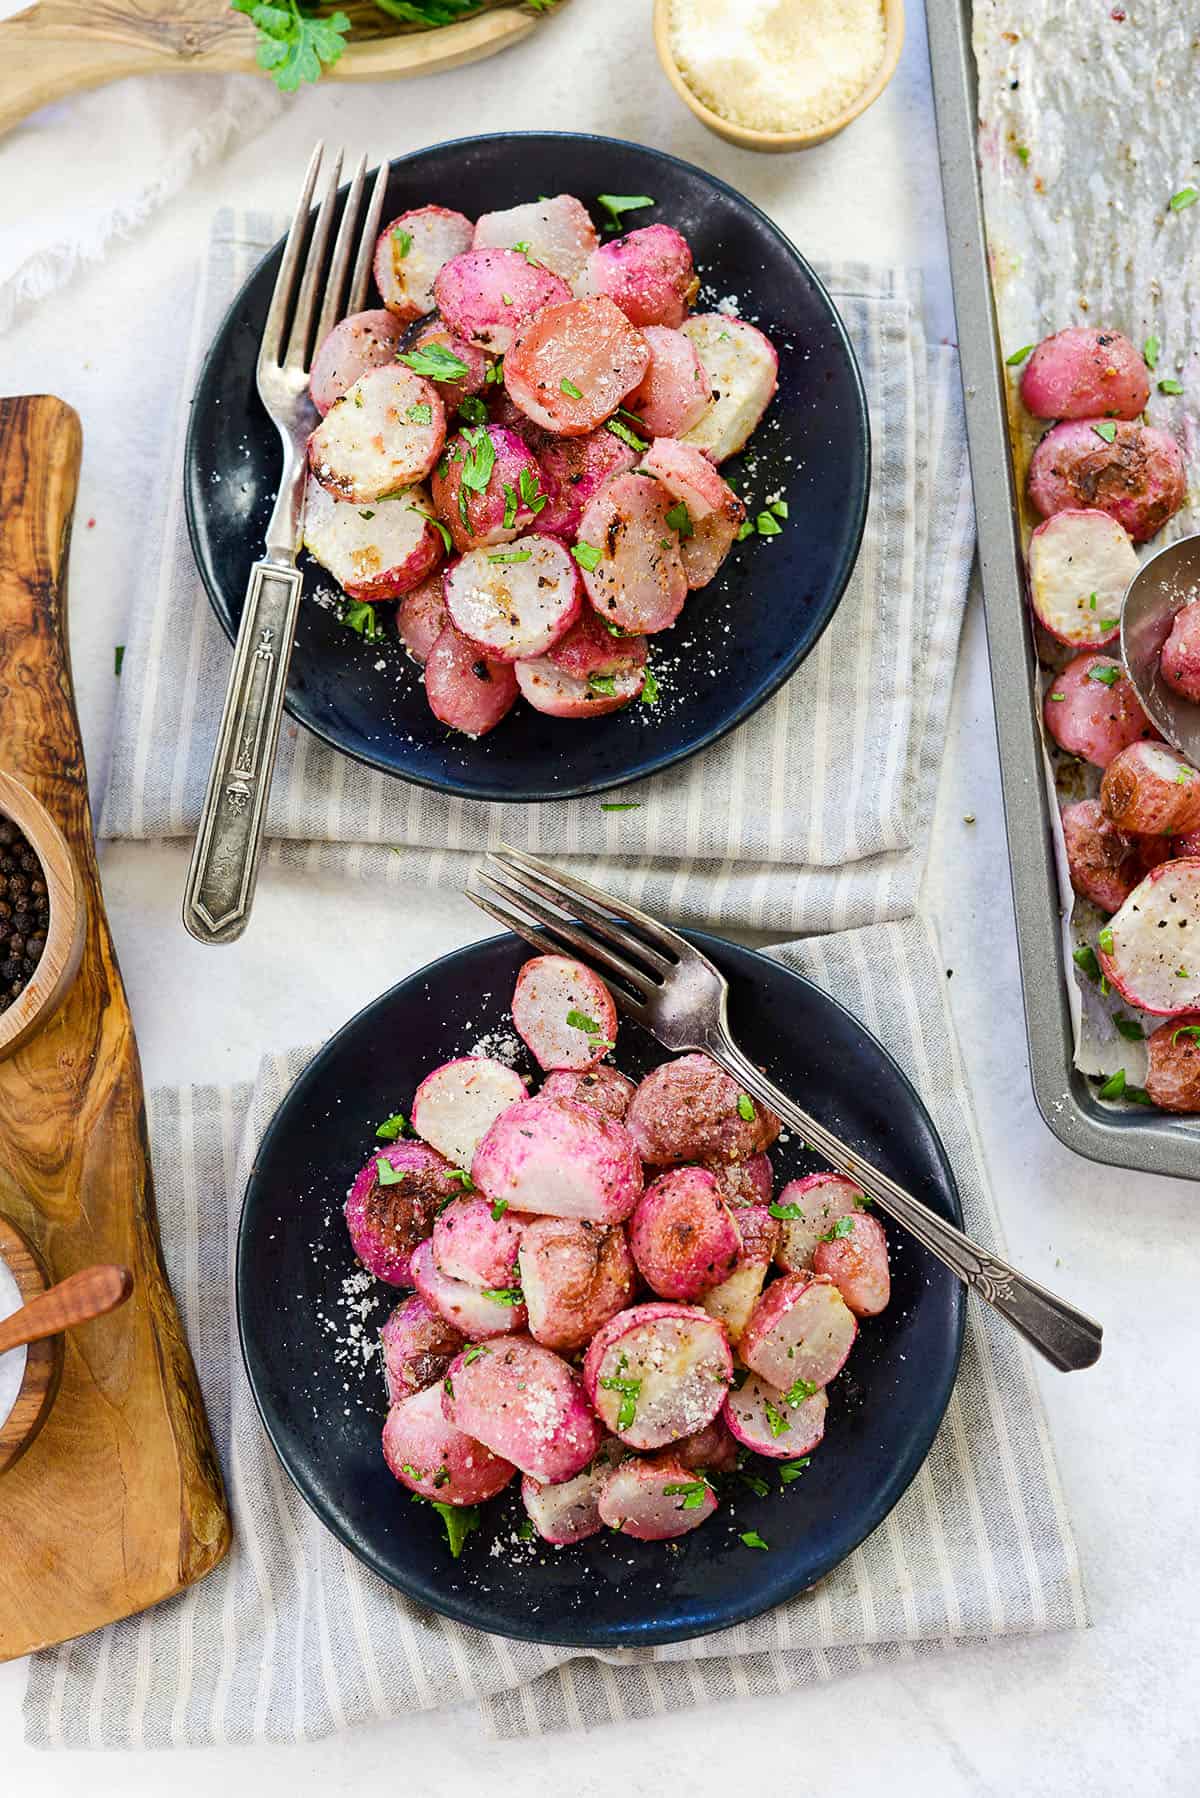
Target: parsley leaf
615 204
505 1295
843 1227
587 555
386 1174
746 1108
392 1127
767 525
626 435
459 1521
1187 196
569 388
358 616
693 1493
1107 674
1150 351
784 1211
472 408
649 695
1129 1028
294 46
434 362
474 1352
752 1539
511 503
1018 356
791 1470
1105 940
1114 1086
680 519
629 1390
401 242
462 1175
513 555
799 1391
531 491
480 459
421 414
1192 1030
498 1210
620 805
447 539
777 1423
1170 386
118 657
1107 431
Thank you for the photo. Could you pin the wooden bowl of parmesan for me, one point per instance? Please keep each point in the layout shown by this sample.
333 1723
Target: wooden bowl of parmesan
778 74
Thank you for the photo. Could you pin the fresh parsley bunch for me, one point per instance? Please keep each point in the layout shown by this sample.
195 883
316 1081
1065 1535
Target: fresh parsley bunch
294 43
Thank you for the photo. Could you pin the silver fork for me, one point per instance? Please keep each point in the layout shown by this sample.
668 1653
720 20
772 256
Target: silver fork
224 870
675 992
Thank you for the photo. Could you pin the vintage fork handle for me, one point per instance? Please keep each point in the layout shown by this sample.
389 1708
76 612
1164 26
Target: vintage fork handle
224 870
1066 1337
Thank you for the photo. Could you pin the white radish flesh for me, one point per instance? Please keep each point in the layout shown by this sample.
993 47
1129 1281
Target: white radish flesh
456 1105
515 601
557 233
632 567
564 1013
383 434
675 393
570 1511
376 552
802 1329
1150 950
560 695
657 1372
743 371
773 1422
410 252
470 1309
362 341
656 1500
806 1210
1080 563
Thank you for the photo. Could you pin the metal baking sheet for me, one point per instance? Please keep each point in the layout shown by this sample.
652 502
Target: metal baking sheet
1155 1142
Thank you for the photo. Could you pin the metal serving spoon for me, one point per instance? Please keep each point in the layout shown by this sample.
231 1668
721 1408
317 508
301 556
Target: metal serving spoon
1161 586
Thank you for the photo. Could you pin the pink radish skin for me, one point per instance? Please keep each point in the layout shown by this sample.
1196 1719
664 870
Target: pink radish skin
1104 863
1173 1079
525 1403
588 649
1094 717
675 392
732 1302
1150 788
1180 662
557 1158
385 432
743 370
477 362
857 1264
604 1087
362 341
387 1223
571 365
1085 373
487 295
556 233
664 1368
431 1457
559 695
715 514
422 617
683 1236
570 1511
456 1105
802 1329
374 553
466 690
743 1183
418 1346
1150 950
410 252
819 1200
517 601
688 1110
648 1499
550 990
474 518
471 1245
1080 563
780 1425
575 1275
648 273
1138 478
711 1450
575 468
638 582
468 1308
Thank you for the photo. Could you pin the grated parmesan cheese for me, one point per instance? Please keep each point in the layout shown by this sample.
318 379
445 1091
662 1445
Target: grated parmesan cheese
777 65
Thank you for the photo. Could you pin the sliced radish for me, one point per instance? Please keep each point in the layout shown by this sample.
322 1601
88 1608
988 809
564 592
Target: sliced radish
473 1310
421 617
744 1183
1150 787
383 434
854 1255
689 476
465 690
713 1448
743 370
487 295
675 393
487 486
657 1372
517 600
563 1012
559 695
572 364
655 1500
431 1457
590 648
629 553
557 233
732 1302
570 1511
777 1423
410 252
574 468
1173 1076
470 1243
456 1105
1080 563
391 1206
806 1209
558 1158
375 553
1150 950
362 341
457 369
802 1329
525 1403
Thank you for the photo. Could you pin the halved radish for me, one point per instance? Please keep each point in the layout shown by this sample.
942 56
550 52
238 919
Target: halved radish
743 370
777 1423
732 1302
573 469
487 486
431 1457
525 1403
1150 787
563 1012
1080 563
713 1448
362 341
418 1346
1180 662
384 433
802 1329
1091 709
391 1206
516 600
375 553
464 689
1150 950
806 1209
456 368
675 393
683 1236
456 1105
603 1087
707 513
571 365
1173 1076
475 1311
560 695
410 252
421 617
557 233
655 1500
690 1109
1104 863
487 295
630 557
1137 473
558 1158
590 648
657 1372
470 1243
570 1511
648 273
854 1255
1085 372
575 1275
743 1183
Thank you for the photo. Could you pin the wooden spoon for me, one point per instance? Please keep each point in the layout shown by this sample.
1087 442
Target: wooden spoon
91 1292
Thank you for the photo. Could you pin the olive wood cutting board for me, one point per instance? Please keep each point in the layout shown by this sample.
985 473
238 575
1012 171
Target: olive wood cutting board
58 47
119 1502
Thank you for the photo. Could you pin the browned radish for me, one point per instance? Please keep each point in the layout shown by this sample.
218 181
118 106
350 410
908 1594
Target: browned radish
392 1204
410 252
455 1105
515 600
802 1329
707 513
457 369
560 695
675 392
590 648
573 469
853 1254
683 1236
712 1449
525 1403
563 1012
570 1511
575 1275
1173 1078
1080 563
1150 787
375 553
744 1182
1091 709
630 556
476 1312
604 1087
464 689
487 295
429 1456
806 1209
422 617
732 1302
362 341
384 433
571 365
558 1158
418 1346
1104 863
655 1500
470 1243
1150 950
1083 372
743 371
689 1109
774 1422
657 1372
648 273
1136 474
557 233
487 486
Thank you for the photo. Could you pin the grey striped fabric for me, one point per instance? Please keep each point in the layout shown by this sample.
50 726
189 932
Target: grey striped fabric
810 817
291 1638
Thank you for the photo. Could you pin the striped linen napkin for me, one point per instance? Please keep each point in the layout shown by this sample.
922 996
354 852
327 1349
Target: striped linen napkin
812 816
291 1639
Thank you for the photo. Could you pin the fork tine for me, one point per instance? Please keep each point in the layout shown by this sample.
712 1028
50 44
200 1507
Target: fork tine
331 310
366 244
537 939
285 280
618 908
314 271
569 933
552 887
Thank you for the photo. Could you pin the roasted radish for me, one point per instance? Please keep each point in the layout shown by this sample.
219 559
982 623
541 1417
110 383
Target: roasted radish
629 553
560 695
455 1106
556 234
675 393
575 1275
573 469
690 1109
806 1209
1091 709
476 1312
564 1013
711 1450
743 372
683 1236
657 1372
525 1403
1134 472
774 1422
411 251
486 487
376 552
590 648
384 433
802 1329
421 617
1180 661
464 689
655 1500
1173 1077
571 365
570 1511
392 1204
418 1346
470 1242
853 1254
1104 863
1150 950
1080 564
362 341
487 295
649 274
517 600
732 1302
559 1158
1085 373
1150 787
430 1456
604 1087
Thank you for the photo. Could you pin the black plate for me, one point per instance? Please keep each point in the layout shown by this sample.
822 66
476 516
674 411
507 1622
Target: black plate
813 448
294 1255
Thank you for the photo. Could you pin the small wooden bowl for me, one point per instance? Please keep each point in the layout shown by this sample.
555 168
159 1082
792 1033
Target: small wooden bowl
742 135
68 916
43 1360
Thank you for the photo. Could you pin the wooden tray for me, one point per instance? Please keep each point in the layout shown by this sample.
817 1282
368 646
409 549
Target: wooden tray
119 1502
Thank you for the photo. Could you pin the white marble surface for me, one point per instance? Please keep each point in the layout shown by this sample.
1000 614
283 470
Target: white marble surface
1090 1712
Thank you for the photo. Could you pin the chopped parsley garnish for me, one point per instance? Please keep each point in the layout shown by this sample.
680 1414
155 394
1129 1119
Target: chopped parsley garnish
777 1423
357 397
448 1386
1023 152
447 539
118 657
680 519
746 1108
626 435
1105 940
495 374
1138 1095
1018 356
506 299
1058 696
629 1390
401 242
392 1127
1109 624
1114 1086
480 459
1170 386
1092 601
1129 1028
587 555
420 414
1187 196
1108 675
511 503
504 1295
784 1211
745 530
1107 431
474 1352
779 507
579 1020
525 1531
569 388
767 525
615 204
498 1210
603 683
531 492
649 694
462 1176
434 362
620 805
798 1391
1150 351
752 1539
522 249
692 1492
791 1470
294 46
1184 776
756 1484
472 408
367 515
358 616
513 555
843 1227
459 1521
